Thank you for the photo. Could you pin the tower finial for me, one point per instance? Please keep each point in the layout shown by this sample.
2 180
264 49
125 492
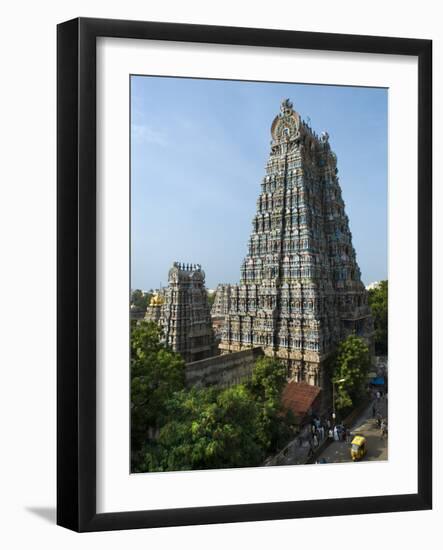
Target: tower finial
286 105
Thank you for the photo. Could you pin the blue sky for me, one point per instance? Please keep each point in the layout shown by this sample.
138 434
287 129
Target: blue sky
198 154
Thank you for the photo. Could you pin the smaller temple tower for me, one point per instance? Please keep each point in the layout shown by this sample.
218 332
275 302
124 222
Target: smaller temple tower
185 314
222 302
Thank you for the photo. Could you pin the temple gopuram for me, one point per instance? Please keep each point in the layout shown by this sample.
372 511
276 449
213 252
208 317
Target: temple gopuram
183 313
300 291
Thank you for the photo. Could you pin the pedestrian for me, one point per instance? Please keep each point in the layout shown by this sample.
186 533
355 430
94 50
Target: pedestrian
336 435
348 435
315 440
321 432
374 410
378 420
330 434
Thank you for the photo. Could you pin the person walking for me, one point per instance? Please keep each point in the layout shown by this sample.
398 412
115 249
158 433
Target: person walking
378 420
336 436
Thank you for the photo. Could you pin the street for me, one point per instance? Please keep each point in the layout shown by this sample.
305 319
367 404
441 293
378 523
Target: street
377 446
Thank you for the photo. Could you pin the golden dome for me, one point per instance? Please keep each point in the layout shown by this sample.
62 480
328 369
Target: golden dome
156 300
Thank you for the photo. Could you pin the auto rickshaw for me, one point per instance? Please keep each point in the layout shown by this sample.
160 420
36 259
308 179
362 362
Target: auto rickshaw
358 447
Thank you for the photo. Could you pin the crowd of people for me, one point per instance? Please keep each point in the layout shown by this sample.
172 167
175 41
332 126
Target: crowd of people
325 428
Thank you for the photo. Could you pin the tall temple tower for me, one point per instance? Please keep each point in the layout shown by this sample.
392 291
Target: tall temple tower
300 291
185 314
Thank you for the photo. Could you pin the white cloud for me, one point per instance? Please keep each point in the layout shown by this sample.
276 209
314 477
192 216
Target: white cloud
141 133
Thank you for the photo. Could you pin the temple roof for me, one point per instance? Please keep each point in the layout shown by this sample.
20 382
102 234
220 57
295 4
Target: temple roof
299 397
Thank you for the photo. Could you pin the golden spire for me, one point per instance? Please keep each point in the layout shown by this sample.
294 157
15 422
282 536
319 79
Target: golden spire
156 300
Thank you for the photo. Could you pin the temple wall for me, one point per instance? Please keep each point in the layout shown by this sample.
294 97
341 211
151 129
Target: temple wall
223 370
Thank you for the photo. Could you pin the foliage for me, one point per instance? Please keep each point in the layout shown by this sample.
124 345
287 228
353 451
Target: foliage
156 373
268 381
378 301
174 428
141 299
350 364
208 428
211 298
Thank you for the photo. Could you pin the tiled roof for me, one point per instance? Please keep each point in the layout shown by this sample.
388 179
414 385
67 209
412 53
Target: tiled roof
299 397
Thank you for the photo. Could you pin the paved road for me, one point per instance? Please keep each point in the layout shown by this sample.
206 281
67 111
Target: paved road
338 451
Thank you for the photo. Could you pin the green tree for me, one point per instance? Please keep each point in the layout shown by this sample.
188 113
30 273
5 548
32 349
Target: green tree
378 301
210 428
141 299
205 428
350 364
268 380
211 298
156 373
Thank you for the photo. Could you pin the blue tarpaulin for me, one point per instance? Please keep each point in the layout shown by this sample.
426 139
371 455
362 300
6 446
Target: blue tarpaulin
378 381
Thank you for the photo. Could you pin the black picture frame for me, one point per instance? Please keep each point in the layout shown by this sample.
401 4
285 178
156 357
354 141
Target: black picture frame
76 266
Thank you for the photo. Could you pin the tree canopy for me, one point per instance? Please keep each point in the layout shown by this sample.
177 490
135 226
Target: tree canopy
350 369
156 373
378 301
267 384
141 299
179 428
211 298
207 428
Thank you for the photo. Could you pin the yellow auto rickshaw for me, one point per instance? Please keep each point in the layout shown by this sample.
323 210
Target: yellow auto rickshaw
358 447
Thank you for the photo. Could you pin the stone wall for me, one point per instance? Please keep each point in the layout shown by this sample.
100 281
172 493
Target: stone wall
223 370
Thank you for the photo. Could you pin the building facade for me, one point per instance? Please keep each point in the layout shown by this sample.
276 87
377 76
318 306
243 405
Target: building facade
185 315
300 290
